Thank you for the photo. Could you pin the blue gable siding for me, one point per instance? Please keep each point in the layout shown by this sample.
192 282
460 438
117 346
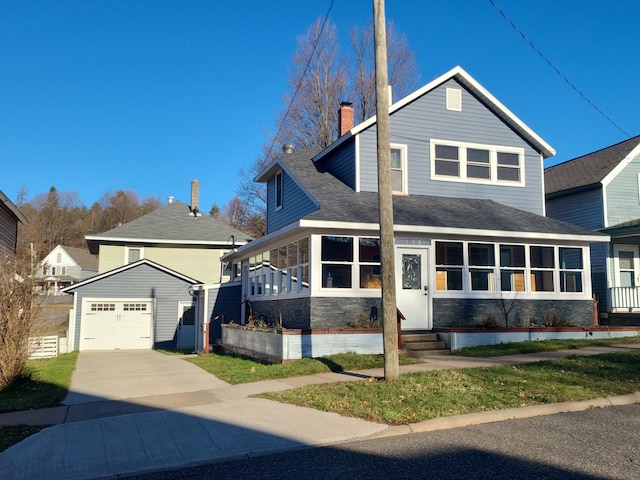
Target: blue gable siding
622 195
584 208
416 124
295 204
341 163
143 281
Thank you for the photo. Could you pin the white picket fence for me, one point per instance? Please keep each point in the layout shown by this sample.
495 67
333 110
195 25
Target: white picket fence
45 347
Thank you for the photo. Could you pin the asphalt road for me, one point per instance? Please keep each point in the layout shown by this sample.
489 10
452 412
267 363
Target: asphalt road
594 444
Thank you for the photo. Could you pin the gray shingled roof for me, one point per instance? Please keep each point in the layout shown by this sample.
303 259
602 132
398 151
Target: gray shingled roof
172 224
338 202
82 257
587 170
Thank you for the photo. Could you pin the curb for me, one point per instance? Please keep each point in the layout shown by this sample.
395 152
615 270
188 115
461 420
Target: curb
480 418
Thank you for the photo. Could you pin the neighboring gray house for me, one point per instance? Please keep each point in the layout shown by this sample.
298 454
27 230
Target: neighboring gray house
64 266
601 191
158 284
471 238
10 216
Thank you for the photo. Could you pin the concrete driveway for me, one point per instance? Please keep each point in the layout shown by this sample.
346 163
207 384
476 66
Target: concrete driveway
127 374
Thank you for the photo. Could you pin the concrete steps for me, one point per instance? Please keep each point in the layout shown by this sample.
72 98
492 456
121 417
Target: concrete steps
418 345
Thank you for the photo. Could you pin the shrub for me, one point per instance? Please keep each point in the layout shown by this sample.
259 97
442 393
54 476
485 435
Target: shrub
490 321
19 311
552 319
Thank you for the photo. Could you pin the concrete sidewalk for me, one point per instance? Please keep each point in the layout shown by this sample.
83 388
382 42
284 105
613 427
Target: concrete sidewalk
105 438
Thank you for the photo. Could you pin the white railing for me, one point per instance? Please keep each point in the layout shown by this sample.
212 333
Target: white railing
624 298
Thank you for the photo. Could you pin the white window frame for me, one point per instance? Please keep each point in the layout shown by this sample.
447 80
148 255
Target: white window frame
403 168
528 269
463 164
278 189
126 254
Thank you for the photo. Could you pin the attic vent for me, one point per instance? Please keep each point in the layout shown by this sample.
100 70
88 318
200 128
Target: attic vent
454 99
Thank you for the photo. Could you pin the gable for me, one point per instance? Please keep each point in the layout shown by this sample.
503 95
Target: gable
426 122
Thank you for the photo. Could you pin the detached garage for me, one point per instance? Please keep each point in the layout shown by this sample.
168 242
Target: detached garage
138 306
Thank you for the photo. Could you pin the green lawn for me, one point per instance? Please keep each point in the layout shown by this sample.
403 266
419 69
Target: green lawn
422 396
45 383
235 369
517 348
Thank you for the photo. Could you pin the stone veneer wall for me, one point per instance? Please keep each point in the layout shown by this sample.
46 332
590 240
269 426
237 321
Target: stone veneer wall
317 312
456 312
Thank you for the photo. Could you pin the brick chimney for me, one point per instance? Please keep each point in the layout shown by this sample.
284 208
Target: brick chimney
346 116
195 196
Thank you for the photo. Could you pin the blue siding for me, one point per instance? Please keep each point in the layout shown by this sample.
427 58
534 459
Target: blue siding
224 306
295 204
417 123
341 164
623 198
584 208
142 281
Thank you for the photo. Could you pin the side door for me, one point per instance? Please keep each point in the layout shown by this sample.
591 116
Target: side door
186 325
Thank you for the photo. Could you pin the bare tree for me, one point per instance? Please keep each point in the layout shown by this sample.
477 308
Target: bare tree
18 315
321 76
402 65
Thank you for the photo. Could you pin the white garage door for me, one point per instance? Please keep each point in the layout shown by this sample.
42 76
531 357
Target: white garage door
115 325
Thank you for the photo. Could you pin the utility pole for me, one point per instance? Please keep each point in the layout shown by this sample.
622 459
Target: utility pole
385 198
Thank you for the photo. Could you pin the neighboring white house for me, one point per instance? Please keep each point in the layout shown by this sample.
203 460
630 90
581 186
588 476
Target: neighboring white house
64 266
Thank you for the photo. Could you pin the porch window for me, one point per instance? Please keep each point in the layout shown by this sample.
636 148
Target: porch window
449 263
512 264
369 261
626 268
570 269
542 266
337 262
482 255
303 268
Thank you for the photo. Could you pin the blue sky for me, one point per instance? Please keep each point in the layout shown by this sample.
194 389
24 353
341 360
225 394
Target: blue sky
147 95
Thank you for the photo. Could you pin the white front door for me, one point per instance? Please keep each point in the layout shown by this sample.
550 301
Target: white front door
626 265
186 325
412 288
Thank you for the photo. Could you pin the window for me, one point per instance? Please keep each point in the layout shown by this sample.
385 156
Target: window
542 264
369 261
473 267
447 160
449 262
482 255
570 269
280 271
133 254
58 257
512 263
337 259
279 185
399 169
477 163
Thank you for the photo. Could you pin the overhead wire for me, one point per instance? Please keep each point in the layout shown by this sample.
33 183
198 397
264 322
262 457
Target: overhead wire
301 79
555 69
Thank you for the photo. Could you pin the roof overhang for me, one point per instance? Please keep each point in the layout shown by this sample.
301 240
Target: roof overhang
13 208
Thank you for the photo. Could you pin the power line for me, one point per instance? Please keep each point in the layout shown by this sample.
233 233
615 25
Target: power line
304 73
553 67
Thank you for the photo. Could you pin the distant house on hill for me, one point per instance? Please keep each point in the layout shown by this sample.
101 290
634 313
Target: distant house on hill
64 266
10 216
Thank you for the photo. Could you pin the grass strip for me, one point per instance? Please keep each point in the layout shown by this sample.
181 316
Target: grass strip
44 383
422 396
518 348
236 369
